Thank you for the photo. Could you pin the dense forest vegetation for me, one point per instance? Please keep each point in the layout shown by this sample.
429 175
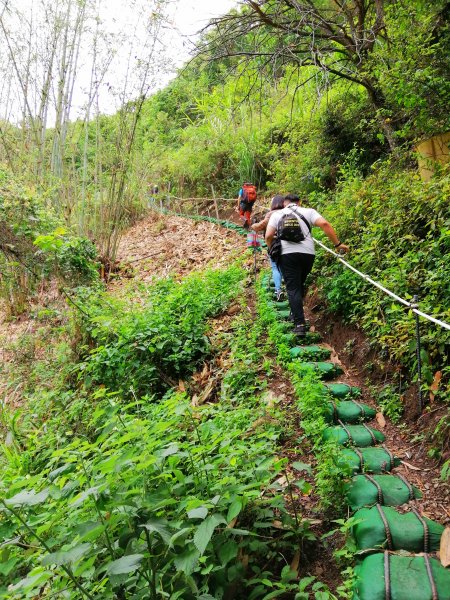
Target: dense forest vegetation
110 485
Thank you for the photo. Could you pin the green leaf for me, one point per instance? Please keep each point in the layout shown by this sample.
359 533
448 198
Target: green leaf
228 551
54 474
198 513
234 510
303 486
274 594
288 574
89 531
68 557
7 566
170 450
305 582
159 526
93 491
32 581
126 564
28 498
205 531
187 561
180 536
301 466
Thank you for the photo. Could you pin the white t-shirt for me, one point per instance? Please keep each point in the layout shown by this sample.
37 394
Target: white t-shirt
311 215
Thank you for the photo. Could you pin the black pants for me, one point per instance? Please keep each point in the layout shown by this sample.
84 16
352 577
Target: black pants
295 268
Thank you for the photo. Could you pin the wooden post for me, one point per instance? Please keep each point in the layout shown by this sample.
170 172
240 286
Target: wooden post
215 202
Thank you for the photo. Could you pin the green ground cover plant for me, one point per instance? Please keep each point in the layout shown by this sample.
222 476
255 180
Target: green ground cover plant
134 509
331 471
147 349
149 496
398 240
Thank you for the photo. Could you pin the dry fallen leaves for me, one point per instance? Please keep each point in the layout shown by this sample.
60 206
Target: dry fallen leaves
295 563
435 385
381 420
410 466
444 550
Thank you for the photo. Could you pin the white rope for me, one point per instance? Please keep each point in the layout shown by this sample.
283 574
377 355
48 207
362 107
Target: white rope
410 305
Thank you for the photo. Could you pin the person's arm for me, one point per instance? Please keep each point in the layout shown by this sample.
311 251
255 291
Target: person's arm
261 226
270 234
238 202
329 231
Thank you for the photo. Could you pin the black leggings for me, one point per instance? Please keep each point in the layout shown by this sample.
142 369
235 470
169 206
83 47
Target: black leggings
296 268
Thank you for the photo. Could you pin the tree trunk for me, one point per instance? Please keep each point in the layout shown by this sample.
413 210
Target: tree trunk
378 102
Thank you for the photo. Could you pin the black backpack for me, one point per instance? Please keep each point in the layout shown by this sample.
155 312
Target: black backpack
289 227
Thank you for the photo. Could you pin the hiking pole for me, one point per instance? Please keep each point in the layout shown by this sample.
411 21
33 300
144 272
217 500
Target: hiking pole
415 304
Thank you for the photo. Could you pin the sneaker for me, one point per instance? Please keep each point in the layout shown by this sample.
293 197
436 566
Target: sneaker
300 330
279 296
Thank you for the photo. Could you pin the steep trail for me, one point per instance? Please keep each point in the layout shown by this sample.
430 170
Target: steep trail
180 244
409 483
160 245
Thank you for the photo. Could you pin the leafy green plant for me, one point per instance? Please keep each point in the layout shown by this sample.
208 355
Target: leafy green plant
150 348
71 258
143 503
153 496
390 403
346 553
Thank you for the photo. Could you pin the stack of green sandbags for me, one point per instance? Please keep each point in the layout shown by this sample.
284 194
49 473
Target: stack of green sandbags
284 305
284 314
369 460
310 352
388 490
341 390
357 435
325 370
385 576
382 526
312 337
349 411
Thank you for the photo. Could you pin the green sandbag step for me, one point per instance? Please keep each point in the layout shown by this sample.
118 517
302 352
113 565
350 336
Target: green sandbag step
326 370
310 338
281 305
382 576
288 326
384 527
349 411
310 352
284 313
374 459
356 435
388 490
341 390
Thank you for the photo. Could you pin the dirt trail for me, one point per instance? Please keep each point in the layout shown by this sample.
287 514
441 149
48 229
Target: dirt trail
212 244
162 245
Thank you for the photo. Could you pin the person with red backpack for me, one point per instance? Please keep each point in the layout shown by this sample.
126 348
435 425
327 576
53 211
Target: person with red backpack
246 199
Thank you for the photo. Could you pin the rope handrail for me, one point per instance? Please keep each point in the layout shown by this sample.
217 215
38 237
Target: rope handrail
410 305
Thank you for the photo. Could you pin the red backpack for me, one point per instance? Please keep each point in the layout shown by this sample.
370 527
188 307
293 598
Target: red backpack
248 192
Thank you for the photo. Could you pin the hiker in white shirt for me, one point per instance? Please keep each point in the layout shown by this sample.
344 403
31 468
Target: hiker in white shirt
297 258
